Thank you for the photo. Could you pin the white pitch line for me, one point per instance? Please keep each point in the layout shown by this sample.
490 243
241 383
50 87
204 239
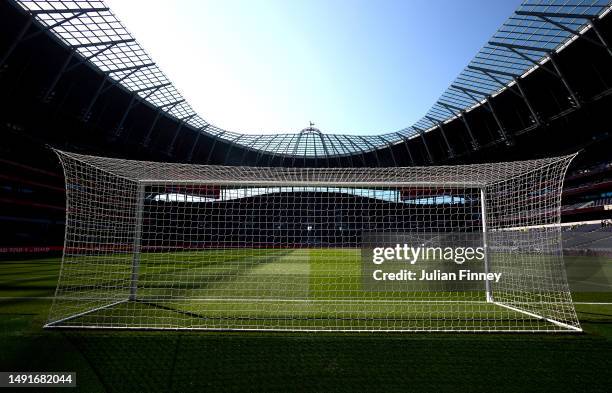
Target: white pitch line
293 300
553 321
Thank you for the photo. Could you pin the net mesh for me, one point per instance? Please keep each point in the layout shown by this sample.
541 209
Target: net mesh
164 245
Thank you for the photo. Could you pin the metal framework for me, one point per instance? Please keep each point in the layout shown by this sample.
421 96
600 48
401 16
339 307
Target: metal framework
528 39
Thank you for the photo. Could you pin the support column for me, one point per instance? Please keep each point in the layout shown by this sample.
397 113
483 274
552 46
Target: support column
85 116
602 39
140 195
536 118
16 41
483 213
195 144
500 127
422 135
58 76
170 149
438 123
406 141
569 89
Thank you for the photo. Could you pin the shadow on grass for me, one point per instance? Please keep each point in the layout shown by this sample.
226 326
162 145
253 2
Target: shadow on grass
201 361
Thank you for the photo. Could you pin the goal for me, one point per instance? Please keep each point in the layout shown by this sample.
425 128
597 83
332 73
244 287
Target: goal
152 245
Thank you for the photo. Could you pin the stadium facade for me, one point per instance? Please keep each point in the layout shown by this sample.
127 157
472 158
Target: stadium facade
72 76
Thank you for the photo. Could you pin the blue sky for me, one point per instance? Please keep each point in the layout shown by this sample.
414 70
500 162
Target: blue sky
350 66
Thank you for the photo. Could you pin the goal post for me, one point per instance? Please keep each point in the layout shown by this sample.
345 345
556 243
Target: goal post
140 197
483 219
154 245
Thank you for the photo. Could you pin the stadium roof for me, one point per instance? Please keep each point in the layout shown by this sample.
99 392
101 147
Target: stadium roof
537 29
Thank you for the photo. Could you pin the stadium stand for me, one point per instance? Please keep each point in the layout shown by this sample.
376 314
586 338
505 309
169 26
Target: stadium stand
588 193
588 238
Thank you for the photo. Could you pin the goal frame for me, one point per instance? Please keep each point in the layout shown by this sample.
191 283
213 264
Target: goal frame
141 185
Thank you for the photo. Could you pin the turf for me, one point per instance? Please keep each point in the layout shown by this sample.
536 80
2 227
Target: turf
221 361
283 289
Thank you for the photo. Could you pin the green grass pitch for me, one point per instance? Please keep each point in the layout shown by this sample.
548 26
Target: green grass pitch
278 289
254 361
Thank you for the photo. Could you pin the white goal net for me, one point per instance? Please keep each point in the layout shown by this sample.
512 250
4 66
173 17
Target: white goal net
178 246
